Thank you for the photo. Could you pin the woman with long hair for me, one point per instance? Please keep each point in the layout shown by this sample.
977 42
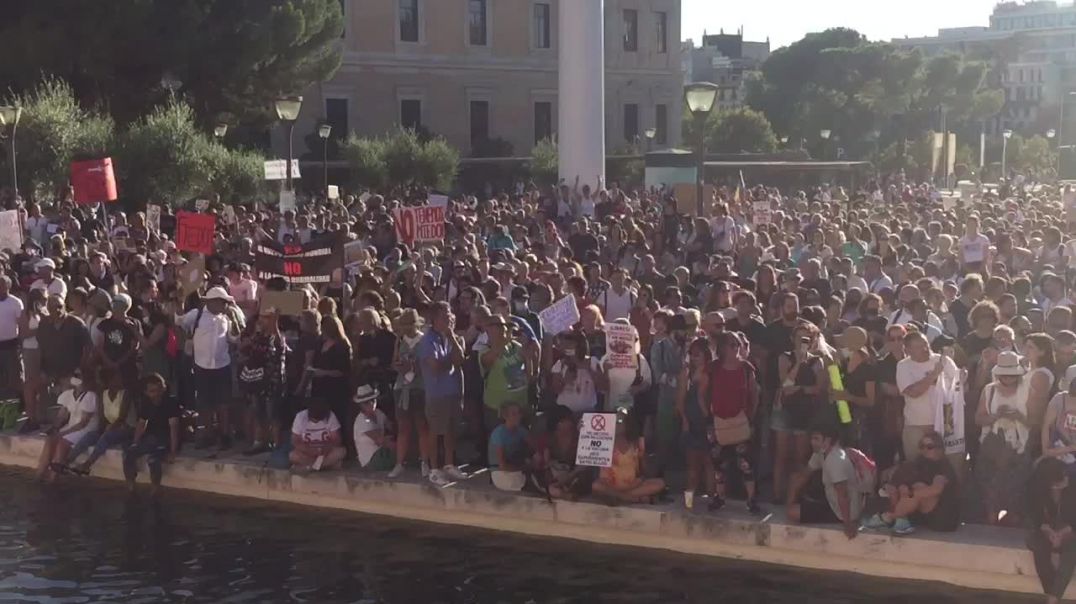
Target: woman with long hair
802 389
31 356
641 315
733 397
329 371
372 359
262 352
693 406
1039 354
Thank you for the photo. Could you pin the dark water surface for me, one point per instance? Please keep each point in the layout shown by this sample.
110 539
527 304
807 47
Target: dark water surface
87 541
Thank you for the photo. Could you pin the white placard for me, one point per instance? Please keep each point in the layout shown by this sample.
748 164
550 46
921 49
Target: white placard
333 192
277 169
10 231
439 201
761 213
201 204
229 215
596 437
153 218
622 344
559 316
287 200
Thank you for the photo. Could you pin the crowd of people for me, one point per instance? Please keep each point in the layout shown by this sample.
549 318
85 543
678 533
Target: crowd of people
886 359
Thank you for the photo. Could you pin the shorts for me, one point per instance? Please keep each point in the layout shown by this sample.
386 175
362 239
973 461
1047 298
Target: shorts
508 481
212 387
795 419
410 399
382 461
31 361
814 507
443 413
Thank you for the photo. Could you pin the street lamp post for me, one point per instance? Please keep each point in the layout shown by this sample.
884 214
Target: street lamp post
650 134
9 121
700 97
1005 136
324 131
287 109
220 130
825 133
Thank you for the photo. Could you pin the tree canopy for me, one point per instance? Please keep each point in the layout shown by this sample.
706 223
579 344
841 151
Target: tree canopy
741 130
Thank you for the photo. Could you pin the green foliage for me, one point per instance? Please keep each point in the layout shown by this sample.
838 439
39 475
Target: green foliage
738 131
400 157
544 164
53 131
1033 154
233 56
237 175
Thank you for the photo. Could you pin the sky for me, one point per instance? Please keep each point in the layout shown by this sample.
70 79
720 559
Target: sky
785 21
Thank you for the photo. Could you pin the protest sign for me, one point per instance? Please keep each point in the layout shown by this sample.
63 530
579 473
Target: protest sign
289 303
622 342
332 192
277 169
195 232
191 275
949 412
229 215
354 253
560 316
439 201
312 262
287 200
419 225
761 213
201 204
10 231
93 181
596 437
153 218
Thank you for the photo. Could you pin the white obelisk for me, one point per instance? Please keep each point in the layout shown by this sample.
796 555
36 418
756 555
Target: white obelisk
581 95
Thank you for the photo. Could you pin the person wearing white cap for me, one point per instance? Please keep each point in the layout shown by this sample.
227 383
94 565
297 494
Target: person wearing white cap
213 330
47 279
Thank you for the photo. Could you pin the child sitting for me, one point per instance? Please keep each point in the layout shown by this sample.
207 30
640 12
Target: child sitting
509 449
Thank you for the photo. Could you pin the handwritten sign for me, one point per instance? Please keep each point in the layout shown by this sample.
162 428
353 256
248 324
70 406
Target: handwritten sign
229 215
277 169
10 231
354 253
153 218
93 181
419 225
195 232
761 213
287 200
622 342
560 316
192 275
289 303
332 192
201 204
596 437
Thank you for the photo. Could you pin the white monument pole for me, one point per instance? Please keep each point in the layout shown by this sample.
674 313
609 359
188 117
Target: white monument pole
581 95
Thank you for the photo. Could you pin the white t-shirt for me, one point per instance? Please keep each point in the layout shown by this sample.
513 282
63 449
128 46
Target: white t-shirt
10 312
722 228
77 409
975 249
879 284
586 207
244 291
314 432
579 395
920 410
364 445
37 228
1068 199
617 306
56 288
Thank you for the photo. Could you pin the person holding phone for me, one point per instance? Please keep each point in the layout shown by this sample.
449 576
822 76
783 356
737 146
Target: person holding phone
802 390
1004 461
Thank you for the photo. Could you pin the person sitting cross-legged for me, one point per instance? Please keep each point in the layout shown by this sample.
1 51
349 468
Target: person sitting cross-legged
922 492
624 480
376 449
316 439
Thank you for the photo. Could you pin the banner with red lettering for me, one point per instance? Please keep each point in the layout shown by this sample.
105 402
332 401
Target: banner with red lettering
419 225
195 232
93 180
312 262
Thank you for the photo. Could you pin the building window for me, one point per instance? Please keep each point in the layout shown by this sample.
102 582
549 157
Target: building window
336 116
661 124
543 121
541 25
662 20
631 122
631 30
409 20
477 22
411 114
479 122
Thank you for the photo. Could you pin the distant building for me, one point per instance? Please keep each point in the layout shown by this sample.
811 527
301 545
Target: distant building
1035 43
725 60
475 70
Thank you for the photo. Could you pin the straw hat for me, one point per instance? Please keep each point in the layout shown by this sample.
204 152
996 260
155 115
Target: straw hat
365 393
1009 364
853 338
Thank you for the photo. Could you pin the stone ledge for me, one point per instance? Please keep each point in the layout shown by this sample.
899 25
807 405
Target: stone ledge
976 556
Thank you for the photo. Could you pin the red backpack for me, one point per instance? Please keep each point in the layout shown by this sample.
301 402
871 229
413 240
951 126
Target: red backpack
866 469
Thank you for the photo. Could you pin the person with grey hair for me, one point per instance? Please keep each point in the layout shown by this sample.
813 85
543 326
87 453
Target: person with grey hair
119 340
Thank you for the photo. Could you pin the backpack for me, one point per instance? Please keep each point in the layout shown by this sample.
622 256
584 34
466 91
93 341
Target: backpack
866 469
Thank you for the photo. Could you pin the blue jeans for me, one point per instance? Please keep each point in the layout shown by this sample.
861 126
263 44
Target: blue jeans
153 449
101 442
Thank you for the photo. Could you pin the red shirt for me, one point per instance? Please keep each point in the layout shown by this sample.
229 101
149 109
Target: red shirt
729 390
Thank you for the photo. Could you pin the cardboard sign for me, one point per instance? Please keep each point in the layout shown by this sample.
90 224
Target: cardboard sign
229 215
333 192
596 437
354 253
93 181
153 218
195 232
761 213
622 342
419 225
277 169
191 275
287 200
559 316
287 303
10 231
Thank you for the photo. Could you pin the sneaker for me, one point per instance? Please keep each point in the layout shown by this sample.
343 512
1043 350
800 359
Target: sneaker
875 523
425 469
903 527
397 471
438 478
454 473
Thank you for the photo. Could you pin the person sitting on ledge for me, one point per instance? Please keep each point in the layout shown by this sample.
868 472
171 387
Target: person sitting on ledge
316 439
922 492
624 481
376 449
156 434
827 490
508 450
1051 513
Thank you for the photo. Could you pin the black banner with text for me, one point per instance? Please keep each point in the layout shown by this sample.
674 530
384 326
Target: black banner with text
312 262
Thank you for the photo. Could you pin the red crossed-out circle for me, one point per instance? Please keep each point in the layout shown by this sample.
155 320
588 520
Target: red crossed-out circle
597 422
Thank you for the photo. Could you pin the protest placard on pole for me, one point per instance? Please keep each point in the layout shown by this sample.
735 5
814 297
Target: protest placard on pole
10 231
622 343
191 275
596 437
229 215
195 232
354 253
559 316
419 225
277 169
288 303
153 218
333 192
201 205
439 201
761 213
287 200
93 181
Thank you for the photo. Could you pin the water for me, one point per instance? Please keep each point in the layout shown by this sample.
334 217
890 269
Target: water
87 541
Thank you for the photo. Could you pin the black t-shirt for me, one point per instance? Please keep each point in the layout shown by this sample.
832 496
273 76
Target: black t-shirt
62 345
778 341
754 329
946 515
157 415
960 311
581 243
974 346
119 337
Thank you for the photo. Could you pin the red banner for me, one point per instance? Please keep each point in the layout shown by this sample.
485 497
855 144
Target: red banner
195 232
93 180
418 225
